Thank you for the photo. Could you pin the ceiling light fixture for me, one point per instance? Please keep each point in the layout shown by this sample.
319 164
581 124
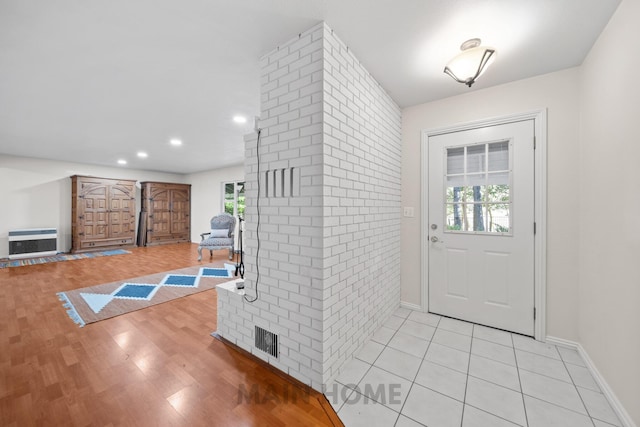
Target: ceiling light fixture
122 162
142 154
239 119
175 142
469 64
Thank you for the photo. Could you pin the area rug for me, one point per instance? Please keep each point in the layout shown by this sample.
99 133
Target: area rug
60 257
94 303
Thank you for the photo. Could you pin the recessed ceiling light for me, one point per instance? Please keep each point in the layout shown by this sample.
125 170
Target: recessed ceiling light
142 154
122 162
176 142
239 119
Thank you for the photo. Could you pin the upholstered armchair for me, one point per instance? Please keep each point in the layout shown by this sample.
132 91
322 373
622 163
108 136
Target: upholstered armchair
221 235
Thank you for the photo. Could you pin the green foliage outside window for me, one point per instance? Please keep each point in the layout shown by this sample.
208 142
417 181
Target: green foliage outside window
478 208
234 198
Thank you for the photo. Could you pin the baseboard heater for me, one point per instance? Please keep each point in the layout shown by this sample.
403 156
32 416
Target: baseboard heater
33 242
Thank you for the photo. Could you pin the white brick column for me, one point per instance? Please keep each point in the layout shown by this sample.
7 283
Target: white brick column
330 153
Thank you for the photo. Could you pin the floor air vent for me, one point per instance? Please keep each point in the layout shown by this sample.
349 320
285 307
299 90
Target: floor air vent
267 341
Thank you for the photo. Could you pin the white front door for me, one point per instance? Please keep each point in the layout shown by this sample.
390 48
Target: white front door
481 225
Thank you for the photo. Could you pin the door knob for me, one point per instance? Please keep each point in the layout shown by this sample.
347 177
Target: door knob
434 239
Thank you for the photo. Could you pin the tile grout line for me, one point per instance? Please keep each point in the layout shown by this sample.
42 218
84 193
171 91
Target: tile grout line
558 406
575 386
469 375
385 347
488 381
556 379
466 381
371 365
542 375
494 415
418 371
524 406
549 358
473 336
353 390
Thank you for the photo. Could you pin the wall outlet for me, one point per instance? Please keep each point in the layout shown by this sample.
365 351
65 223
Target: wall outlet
408 212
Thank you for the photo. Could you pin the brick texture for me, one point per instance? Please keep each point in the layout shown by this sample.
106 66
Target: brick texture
329 247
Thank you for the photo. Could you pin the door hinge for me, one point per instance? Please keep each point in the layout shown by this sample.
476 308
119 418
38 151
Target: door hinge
534 228
534 142
534 313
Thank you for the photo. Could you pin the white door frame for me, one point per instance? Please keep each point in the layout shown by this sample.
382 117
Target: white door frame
540 206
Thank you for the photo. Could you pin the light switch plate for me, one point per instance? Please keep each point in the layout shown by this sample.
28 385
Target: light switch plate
408 212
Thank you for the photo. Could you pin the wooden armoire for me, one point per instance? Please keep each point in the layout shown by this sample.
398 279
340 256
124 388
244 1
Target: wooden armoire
166 213
103 213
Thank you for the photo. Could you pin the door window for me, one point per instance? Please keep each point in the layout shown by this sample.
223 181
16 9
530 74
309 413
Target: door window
478 190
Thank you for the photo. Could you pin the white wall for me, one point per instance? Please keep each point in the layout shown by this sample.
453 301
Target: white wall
206 196
37 193
558 92
609 265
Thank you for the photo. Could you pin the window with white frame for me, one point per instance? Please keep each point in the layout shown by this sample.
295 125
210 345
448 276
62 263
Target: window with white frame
233 199
478 193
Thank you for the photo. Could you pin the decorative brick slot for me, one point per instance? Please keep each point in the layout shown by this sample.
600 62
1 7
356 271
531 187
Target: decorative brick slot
281 182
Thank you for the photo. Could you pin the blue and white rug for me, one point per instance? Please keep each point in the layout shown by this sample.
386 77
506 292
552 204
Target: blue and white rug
94 303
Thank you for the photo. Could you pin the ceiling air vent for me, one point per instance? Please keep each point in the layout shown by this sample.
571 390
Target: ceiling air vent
267 341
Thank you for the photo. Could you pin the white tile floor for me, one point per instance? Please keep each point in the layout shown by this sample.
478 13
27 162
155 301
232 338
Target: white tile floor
421 369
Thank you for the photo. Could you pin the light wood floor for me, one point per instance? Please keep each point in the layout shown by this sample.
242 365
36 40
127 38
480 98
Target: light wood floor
154 367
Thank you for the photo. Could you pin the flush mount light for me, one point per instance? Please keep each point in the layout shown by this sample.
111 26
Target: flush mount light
142 154
469 64
122 162
239 119
175 142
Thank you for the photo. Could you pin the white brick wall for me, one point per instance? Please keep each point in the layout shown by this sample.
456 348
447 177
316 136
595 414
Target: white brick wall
362 160
329 255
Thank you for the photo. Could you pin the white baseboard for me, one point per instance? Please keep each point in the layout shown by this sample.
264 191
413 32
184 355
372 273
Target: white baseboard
410 306
622 413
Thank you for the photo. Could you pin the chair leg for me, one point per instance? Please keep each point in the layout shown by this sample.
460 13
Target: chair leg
199 253
210 254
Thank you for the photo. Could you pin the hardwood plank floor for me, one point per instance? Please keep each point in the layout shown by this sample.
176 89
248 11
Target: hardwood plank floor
153 367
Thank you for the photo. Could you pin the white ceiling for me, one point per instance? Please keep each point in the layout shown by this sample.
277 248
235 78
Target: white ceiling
95 81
